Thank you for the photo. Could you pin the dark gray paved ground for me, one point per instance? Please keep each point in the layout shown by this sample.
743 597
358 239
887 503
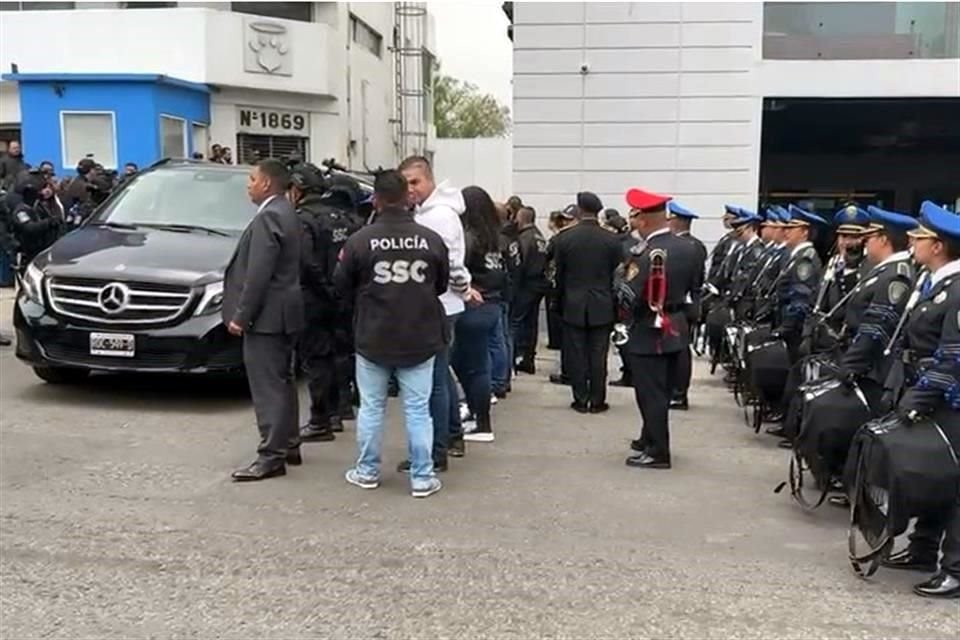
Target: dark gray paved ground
118 520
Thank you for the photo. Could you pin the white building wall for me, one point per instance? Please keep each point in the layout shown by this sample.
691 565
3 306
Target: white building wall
346 91
672 99
668 103
485 162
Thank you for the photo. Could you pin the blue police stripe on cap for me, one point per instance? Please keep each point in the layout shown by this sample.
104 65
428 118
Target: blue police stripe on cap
680 211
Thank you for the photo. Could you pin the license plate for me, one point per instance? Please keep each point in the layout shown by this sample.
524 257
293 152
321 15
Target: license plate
118 345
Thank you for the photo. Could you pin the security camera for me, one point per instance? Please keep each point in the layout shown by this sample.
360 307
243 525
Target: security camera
584 68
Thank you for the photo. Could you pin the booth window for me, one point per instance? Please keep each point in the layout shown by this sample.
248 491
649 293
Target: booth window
37 6
173 137
88 134
366 36
200 137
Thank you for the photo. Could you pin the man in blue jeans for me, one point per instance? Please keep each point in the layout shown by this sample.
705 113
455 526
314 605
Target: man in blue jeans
438 207
393 271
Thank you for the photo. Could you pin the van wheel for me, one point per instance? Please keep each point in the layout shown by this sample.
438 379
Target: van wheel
61 375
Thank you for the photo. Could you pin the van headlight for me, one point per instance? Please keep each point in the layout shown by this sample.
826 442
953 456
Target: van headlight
32 288
212 300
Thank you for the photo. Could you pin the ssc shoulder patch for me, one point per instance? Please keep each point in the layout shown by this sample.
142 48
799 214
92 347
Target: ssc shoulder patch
940 298
804 270
896 291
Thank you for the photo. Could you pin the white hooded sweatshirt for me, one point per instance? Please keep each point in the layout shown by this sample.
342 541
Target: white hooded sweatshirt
441 213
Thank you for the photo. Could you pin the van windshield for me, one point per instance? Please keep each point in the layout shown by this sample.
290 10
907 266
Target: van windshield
192 196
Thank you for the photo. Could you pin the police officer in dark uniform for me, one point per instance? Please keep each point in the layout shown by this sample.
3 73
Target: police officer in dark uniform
36 224
560 221
315 349
932 350
529 286
338 209
800 278
586 258
877 304
660 278
724 245
751 250
680 220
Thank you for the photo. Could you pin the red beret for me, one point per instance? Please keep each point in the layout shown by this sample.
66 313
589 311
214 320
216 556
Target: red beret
645 200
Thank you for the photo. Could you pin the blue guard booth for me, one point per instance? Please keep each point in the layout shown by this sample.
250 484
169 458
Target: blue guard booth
118 118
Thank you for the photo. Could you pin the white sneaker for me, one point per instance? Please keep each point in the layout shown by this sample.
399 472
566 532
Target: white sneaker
469 426
428 490
464 412
493 399
478 436
357 480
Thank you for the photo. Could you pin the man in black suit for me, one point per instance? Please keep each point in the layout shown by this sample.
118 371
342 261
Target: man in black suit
263 302
586 257
657 301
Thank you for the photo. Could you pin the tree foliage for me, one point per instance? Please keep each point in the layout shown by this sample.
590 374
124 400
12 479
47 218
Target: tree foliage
461 111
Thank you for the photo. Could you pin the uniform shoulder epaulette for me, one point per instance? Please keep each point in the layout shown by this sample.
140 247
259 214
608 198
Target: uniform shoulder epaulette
905 269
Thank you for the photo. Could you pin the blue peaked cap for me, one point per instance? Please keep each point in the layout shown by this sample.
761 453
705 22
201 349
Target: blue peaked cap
851 219
941 221
882 220
803 216
678 210
731 210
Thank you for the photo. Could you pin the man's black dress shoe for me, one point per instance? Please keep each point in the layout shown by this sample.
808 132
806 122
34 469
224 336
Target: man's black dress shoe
579 408
622 383
259 471
599 408
293 457
943 585
680 404
909 561
336 423
5 341
646 461
316 433
559 378
777 432
637 445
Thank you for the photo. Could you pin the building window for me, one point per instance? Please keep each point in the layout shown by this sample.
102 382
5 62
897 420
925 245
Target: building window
147 5
37 6
365 36
173 137
200 137
302 11
88 134
252 148
860 30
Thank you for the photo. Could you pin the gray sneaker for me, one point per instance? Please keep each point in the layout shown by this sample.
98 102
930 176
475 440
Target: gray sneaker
428 489
364 482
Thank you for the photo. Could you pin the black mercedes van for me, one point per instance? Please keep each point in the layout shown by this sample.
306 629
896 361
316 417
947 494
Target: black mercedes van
140 285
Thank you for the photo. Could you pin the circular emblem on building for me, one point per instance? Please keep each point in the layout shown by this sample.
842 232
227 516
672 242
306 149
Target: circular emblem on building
114 298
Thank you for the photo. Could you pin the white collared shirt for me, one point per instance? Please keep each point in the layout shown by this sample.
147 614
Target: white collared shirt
266 202
800 247
949 269
899 255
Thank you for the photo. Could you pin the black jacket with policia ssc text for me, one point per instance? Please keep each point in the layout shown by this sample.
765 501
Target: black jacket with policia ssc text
393 271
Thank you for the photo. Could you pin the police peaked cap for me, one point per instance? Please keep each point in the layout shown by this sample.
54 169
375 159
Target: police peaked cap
744 217
589 202
677 210
731 210
851 219
937 222
889 221
803 218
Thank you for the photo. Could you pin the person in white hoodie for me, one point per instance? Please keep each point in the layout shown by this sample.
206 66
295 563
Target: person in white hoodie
438 207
